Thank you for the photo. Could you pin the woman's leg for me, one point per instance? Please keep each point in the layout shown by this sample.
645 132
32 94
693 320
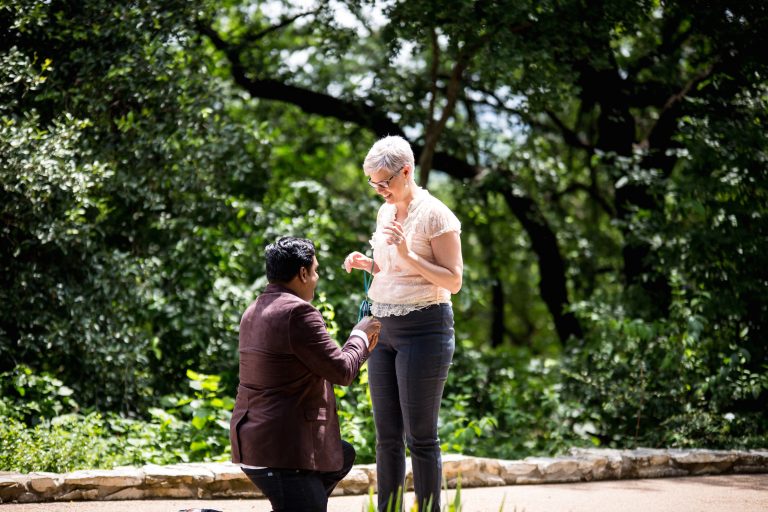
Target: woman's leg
422 369
390 443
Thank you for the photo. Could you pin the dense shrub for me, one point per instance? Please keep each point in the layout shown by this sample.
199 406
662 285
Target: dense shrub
662 383
499 404
40 433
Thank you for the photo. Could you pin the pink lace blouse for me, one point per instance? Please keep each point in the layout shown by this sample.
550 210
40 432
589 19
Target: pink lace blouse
396 289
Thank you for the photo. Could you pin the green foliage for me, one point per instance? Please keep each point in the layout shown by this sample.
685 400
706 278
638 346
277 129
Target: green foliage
143 169
39 435
661 384
496 404
503 404
126 245
31 398
697 376
62 444
356 417
207 412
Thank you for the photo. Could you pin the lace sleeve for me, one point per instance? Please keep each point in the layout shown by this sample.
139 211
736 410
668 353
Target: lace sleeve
442 220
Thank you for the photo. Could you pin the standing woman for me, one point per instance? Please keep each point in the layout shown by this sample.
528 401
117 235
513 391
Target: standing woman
417 265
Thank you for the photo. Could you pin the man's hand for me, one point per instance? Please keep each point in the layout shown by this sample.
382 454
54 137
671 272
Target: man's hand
371 326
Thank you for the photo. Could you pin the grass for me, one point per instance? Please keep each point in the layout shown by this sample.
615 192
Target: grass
454 506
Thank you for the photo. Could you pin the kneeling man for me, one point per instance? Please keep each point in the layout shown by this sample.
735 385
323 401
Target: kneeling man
285 430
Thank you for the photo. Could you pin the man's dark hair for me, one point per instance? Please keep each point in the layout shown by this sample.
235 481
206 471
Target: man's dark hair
286 256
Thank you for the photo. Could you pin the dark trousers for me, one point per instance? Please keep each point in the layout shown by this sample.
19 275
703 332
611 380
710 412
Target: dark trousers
407 373
298 490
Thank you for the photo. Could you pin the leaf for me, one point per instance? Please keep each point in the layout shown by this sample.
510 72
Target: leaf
198 446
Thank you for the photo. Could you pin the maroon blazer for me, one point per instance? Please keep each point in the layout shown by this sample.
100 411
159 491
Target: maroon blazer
285 411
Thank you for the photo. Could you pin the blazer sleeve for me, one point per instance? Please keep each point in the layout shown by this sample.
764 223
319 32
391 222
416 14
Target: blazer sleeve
313 346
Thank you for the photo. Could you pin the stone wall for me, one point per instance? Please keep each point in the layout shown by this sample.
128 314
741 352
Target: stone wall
208 480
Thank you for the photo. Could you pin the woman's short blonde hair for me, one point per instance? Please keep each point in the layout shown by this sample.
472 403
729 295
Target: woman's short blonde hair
391 153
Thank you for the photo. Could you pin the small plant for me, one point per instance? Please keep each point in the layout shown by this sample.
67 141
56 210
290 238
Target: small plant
33 397
209 415
454 506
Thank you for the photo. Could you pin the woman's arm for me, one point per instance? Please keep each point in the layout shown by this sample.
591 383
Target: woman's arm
448 268
360 261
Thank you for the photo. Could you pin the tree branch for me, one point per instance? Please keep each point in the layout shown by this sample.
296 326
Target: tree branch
283 23
672 40
669 106
433 75
436 129
466 54
593 193
309 101
569 136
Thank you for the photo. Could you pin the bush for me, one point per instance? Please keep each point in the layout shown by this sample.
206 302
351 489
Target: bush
497 404
671 382
192 428
504 403
62 444
32 397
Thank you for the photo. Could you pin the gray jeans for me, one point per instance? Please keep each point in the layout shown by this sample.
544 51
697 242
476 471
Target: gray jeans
407 373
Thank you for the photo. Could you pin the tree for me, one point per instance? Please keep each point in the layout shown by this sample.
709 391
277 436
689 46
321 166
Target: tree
607 160
579 116
117 180
608 83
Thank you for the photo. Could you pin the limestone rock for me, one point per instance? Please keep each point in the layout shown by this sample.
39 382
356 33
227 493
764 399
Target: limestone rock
356 482
703 462
182 491
120 477
128 493
226 472
652 463
209 480
44 483
12 487
752 461
167 476
79 495
563 469
513 471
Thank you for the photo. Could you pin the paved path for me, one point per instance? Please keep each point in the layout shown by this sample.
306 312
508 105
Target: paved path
720 493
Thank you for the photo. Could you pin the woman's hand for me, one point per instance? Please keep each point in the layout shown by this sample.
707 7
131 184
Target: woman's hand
395 235
446 271
357 260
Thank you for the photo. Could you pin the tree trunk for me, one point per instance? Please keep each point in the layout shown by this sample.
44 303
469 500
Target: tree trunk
552 278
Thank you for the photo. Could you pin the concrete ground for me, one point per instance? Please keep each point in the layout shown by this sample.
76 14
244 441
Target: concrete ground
719 493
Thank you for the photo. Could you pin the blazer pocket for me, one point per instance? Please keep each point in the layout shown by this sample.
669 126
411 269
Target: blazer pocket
316 414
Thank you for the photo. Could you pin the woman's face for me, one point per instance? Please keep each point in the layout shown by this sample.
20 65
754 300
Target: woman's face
391 186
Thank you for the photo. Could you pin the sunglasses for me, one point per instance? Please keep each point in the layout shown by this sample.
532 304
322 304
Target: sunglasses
383 183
